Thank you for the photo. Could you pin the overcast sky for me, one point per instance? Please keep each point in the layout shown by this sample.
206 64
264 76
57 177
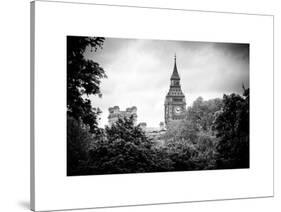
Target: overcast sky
139 73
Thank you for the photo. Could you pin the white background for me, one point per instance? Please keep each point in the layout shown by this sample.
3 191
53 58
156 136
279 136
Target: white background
15 102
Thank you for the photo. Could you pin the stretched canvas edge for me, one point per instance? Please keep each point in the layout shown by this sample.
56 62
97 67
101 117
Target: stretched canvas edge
32 112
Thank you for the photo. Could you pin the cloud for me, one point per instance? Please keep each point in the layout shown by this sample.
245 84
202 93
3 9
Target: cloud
139 73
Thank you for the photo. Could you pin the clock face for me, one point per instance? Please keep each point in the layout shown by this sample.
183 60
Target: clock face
178 110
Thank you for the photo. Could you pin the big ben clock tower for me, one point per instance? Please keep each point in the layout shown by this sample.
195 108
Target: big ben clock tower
175 105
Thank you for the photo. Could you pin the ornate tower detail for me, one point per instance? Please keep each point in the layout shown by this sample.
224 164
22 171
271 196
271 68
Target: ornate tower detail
115 113
175 105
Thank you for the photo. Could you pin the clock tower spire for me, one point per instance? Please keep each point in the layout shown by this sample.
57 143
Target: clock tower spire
175 105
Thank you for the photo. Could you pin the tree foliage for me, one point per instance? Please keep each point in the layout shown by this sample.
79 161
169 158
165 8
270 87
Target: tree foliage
191 142
232 130
126 149
83 79
202 113
199 119
181 130
78 143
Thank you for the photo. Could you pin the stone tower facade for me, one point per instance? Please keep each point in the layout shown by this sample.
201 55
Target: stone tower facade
175 104
115 113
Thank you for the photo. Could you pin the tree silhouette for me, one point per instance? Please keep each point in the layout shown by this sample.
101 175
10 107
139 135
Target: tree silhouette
232 128
125 149
83 79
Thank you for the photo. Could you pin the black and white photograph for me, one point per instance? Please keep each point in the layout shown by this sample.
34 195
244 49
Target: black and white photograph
146 106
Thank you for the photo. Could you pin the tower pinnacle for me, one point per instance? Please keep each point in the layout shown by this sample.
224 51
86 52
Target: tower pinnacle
175 75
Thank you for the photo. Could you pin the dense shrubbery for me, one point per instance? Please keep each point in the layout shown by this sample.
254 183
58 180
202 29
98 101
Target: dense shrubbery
78 142
123 148
232 129
192 142
214 135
